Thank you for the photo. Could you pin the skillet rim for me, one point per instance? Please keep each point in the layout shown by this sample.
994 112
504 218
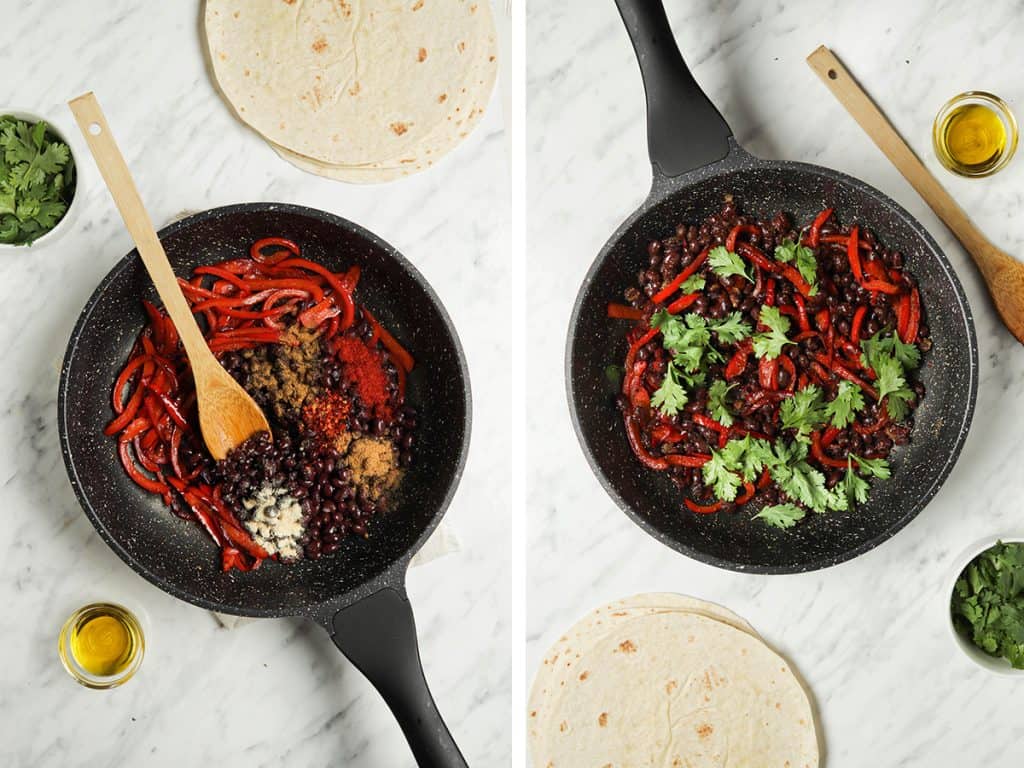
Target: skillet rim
393 575
738 159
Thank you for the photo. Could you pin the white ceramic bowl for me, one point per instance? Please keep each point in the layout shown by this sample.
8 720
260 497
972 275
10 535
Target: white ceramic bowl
998 666
70 215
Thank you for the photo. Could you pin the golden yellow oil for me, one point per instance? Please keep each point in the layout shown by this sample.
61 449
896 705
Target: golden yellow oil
104 641
972 138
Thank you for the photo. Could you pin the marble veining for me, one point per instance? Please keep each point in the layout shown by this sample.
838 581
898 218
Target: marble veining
870 635
270 692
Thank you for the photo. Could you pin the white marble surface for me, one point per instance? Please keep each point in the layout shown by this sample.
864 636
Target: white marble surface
870 635
271 692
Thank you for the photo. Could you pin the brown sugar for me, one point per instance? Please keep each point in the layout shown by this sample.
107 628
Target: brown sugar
373 462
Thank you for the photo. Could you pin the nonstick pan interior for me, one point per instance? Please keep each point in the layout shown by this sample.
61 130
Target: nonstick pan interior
177 555
733 540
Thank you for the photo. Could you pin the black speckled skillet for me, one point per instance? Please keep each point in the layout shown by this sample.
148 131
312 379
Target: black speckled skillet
696 162
358 593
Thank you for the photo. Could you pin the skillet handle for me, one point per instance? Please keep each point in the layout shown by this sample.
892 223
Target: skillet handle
684 129
378 635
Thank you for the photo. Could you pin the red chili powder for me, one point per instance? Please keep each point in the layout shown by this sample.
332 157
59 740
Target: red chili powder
327 415
364 368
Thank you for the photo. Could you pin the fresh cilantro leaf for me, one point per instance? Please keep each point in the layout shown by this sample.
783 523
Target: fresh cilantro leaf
731 329
781 515
879 346
807 265
804 411
693 283
798 479
720 473
671 396
724 263
875 467
848 401
854 486
785 251
717 404
770 343
756 456
892 387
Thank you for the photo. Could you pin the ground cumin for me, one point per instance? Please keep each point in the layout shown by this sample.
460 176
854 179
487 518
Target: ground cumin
284 376
374 465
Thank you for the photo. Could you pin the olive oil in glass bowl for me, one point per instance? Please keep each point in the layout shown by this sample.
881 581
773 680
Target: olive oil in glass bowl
101 645
975 134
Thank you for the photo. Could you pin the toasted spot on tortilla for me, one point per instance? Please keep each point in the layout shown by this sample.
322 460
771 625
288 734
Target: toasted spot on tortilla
421 55
319 45
627 646
247 72
584 675
462 46
491 58
442 98
533 713
354 90
563 726
602 719
417 5
346 9
222 56
237 14
704 730
399 128
289 2
670 686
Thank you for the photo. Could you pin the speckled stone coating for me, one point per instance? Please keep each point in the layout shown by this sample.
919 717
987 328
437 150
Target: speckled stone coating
177 555
950 369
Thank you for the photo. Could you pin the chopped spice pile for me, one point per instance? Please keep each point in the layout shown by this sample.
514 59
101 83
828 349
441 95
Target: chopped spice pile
374 465
363 371
282 377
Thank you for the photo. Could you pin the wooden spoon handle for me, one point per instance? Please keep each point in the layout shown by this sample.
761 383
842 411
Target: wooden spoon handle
863 110
119 181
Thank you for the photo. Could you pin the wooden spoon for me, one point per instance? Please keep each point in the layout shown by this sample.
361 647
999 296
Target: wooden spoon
1003 274
227 415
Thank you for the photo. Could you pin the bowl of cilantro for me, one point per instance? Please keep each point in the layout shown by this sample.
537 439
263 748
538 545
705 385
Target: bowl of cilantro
986 604
38 181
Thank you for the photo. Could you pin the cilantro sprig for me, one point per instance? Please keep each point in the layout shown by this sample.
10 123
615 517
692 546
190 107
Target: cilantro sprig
724 263
842 410
37 180
769 343
803 258
891 360
717 404
804 412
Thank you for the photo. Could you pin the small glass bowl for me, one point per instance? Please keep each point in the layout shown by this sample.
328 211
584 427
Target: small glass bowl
84 676
1002 111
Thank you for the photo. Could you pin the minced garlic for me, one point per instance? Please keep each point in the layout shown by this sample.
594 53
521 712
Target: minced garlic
275 521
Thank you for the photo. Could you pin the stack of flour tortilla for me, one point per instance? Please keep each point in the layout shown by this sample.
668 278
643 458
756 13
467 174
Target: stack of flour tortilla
660 680
357 90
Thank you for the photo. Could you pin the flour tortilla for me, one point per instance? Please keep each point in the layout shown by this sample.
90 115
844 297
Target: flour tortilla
355 82
561 663
730 700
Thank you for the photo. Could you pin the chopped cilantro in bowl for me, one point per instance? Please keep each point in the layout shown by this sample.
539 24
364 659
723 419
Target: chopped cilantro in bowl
987 605
37 179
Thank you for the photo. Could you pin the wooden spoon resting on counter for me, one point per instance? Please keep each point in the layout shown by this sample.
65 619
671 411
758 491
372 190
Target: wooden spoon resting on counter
1003 274
227 415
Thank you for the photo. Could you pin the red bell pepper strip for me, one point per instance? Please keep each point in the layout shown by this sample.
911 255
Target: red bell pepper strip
823 319
623 312
691 460
847 374
747 495
819 454
801 313
790 273
767 372
853 255
702 509
875 269
858 321
316 315
829 435
790 367
757 257
256 251
124 452
666 433
914 320
682 303
633 434
903 317
814 235
341 292
397 351
882 286
845 240
769 292
735 232
681 278
709 423
765 480
738 362
870 429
